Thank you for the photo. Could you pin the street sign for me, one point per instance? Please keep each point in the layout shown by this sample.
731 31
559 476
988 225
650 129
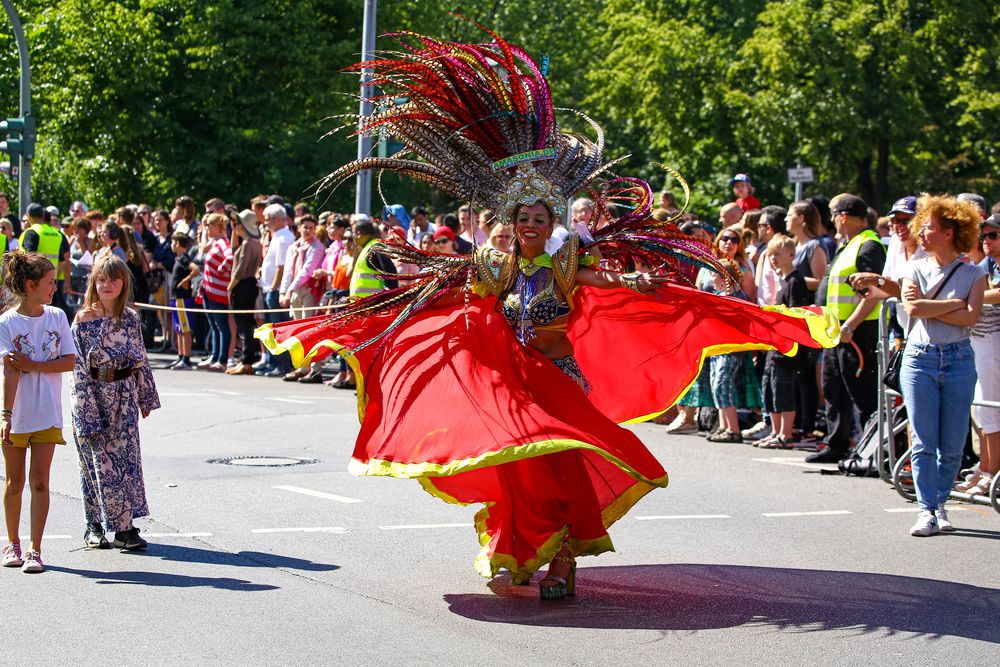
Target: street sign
800 175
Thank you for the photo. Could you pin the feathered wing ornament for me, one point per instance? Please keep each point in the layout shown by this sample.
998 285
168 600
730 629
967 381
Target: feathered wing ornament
634 236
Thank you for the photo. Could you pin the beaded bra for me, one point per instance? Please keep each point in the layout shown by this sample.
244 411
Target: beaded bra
532 302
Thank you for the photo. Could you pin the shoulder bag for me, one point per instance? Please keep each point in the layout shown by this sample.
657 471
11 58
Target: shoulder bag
891 376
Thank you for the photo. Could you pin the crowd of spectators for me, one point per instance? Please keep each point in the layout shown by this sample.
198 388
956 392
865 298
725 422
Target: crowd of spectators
840 253
273 261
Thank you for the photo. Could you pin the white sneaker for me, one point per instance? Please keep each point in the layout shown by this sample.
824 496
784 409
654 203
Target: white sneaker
680 425
926 525
33 563
12 555
943 523
756 432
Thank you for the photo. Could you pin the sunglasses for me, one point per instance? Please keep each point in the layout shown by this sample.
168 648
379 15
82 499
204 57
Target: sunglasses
992 236
729 239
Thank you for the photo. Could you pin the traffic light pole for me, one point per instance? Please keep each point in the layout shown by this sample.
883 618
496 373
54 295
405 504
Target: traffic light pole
28 138
363 198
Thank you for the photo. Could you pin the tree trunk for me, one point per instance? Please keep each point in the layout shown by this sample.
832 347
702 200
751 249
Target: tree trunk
878 202
866 188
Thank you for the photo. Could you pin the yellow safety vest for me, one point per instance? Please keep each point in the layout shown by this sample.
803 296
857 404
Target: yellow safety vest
49 242
3 249
839 295
363 280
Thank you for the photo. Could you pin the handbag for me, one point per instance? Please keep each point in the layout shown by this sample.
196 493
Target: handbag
154 279
892 369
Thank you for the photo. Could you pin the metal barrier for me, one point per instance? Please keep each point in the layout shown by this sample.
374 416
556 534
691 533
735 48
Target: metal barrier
893 467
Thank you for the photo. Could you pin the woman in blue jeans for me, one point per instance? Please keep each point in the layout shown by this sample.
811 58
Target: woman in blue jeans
943 296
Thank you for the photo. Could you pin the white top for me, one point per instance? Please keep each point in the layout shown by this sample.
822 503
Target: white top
897 267
479 239
768 283
277 254
37 404
896 262
414 233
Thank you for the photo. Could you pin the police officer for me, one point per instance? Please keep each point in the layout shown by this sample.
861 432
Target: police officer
43 237
849 369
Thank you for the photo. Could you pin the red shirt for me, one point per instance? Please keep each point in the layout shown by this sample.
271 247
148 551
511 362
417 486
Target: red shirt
748 203
218 268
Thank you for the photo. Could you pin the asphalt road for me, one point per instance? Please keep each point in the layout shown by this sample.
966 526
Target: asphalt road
748 557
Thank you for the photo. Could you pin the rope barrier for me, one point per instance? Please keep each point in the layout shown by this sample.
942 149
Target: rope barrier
173 309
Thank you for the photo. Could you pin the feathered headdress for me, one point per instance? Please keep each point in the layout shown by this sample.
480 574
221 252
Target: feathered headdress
479 119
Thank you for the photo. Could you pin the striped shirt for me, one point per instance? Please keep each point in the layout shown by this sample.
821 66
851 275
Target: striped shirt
218 268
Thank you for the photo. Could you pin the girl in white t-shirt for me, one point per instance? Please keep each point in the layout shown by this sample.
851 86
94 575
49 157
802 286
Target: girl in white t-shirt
36 346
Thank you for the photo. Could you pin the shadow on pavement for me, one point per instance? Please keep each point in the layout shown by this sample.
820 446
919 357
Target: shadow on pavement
165 579
972 532
183 554
705 597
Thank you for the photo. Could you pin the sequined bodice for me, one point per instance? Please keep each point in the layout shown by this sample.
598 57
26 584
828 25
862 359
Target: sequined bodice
532 301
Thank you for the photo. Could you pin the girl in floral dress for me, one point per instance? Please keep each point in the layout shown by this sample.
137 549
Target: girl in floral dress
112 386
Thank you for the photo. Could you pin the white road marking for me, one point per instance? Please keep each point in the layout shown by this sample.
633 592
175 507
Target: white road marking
182 393
314 529
162 535
292 400
914 510
58 537
798 463
821 513
225 393
318 494
425 526
683 516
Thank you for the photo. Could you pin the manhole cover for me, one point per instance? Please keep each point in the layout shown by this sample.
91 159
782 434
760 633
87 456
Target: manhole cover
263 461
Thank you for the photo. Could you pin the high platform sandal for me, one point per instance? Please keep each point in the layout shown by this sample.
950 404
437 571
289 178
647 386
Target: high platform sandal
558 587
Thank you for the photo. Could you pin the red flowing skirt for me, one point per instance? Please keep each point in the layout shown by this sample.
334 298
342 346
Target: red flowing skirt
453 400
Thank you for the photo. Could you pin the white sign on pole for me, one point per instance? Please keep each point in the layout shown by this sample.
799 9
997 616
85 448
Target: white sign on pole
800 175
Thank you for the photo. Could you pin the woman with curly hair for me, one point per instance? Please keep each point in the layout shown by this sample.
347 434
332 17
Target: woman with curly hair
943 297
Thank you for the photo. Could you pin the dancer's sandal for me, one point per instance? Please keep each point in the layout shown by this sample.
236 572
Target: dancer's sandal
554 587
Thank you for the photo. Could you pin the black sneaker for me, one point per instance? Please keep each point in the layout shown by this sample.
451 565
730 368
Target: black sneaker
94 537
826 455
129 540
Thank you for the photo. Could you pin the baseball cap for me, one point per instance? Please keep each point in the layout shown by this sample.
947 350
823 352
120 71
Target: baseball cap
35 211
907 205
992 221
444 232
739 178
852 206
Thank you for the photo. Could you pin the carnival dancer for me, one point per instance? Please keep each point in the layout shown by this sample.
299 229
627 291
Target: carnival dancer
112 386
37 348
539 357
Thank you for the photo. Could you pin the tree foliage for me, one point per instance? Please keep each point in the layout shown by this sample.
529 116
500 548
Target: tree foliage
148 99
